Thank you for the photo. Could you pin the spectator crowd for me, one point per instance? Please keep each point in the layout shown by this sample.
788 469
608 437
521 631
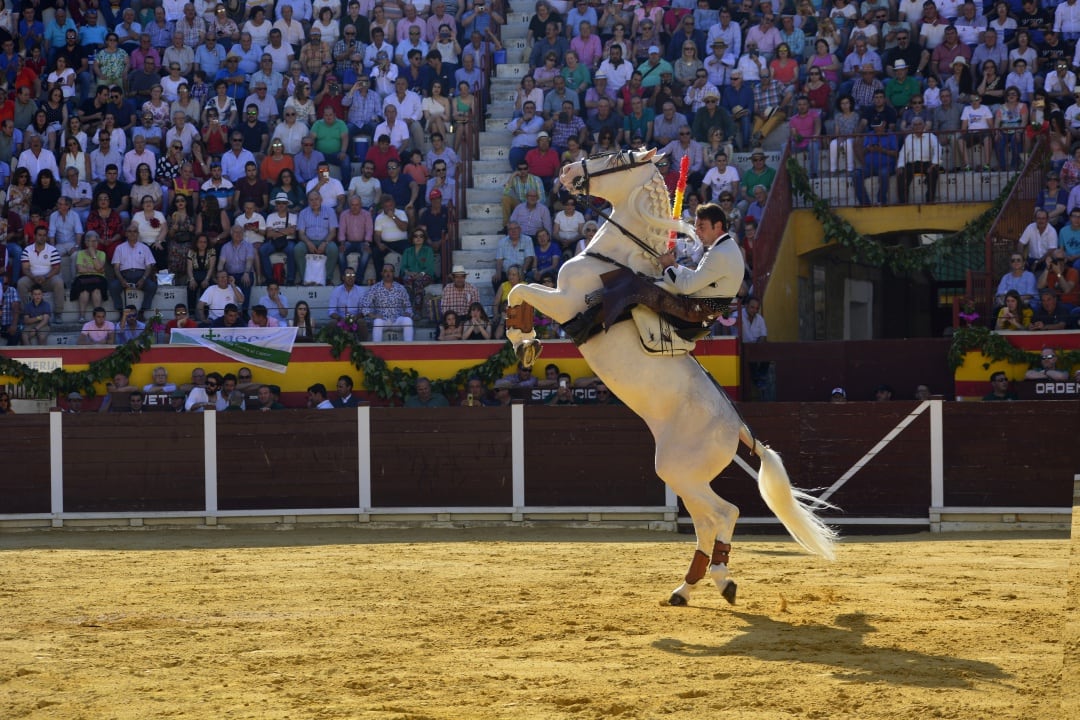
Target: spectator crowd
288 142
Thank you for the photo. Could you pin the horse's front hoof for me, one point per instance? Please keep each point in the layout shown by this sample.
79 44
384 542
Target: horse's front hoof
728 592
677 600
528 351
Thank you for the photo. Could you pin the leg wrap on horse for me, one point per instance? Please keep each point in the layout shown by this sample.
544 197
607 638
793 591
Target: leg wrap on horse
698 567
720 553
520 317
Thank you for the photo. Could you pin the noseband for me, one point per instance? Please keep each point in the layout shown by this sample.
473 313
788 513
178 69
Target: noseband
583 189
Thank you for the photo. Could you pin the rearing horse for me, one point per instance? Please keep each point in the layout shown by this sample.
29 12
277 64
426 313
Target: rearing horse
695 425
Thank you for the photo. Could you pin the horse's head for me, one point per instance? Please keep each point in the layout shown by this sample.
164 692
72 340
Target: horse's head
612 175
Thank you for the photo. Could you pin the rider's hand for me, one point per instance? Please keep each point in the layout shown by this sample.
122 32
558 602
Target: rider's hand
667 259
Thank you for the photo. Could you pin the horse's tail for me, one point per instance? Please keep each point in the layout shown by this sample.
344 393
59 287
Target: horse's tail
794 507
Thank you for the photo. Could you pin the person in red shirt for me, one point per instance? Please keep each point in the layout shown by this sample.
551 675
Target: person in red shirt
7 106
181 319
543 162
26 77
382 153
1058 275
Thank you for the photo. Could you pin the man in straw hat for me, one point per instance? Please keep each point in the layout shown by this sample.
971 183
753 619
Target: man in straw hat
458 294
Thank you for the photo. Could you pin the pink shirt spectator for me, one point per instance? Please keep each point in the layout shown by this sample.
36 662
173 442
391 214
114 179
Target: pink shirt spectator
588 51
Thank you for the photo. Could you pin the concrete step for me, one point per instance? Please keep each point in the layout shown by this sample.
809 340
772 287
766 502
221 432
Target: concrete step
522 6
514 31
481 167
495 152
515 44
475 259
484 196
496 135
492 181
480 243
516 17
513 70
517 54
478 211
501 97
480 227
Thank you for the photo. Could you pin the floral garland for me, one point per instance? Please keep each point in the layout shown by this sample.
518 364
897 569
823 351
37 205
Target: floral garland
56 383
898 259
996 347
388 382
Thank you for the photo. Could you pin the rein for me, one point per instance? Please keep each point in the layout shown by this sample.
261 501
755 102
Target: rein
607 218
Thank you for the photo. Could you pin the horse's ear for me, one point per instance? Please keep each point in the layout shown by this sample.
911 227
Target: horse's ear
647 155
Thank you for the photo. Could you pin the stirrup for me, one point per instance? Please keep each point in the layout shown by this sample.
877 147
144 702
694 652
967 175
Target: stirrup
528 351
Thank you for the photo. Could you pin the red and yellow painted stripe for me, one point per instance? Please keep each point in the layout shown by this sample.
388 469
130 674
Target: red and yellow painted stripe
312 364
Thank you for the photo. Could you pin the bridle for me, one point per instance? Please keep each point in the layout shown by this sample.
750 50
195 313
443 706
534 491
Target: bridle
625 161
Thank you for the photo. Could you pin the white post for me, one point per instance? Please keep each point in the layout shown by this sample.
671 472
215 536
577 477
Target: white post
363 445
937 455
210 464
56 467
517 456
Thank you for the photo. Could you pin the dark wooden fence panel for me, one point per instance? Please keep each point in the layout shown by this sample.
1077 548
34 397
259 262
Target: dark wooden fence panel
24 480
432 457
1038 442
128 463
288 459
894 483
589 456
777 425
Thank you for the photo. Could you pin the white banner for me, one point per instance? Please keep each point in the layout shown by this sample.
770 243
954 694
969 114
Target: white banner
268 348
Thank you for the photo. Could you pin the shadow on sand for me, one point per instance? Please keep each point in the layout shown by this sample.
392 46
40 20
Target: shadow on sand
842 647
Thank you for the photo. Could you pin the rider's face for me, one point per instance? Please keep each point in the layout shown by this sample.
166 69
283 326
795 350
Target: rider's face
707 231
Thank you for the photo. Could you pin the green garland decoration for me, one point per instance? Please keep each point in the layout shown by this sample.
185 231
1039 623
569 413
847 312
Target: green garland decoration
994 346
388 382
899 259
57 383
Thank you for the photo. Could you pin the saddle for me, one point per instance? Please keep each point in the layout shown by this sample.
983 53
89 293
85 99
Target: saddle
623 288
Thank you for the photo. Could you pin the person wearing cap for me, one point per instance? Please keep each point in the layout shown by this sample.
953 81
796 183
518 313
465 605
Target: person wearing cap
653 67
865 87
458 294
281 236
876 156
74 403
920 155
976 124
902 87
838 395
316 59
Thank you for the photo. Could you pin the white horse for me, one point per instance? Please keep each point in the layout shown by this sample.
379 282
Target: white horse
695 425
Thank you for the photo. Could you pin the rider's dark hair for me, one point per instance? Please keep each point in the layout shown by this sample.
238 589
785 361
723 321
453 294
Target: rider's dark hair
713 213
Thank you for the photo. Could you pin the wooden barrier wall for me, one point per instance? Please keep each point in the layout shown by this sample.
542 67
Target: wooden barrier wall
574 457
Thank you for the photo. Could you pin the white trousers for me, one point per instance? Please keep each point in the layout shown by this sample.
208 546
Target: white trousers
402 322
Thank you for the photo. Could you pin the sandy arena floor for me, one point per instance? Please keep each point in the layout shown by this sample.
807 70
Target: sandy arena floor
512 623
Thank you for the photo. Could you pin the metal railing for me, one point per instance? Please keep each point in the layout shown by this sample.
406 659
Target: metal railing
1016 213
964 174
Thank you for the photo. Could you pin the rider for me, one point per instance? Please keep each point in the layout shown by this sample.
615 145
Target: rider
718 274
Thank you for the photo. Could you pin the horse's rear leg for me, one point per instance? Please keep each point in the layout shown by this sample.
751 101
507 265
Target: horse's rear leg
714 523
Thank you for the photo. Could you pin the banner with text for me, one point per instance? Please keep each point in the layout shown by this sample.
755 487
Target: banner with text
268 348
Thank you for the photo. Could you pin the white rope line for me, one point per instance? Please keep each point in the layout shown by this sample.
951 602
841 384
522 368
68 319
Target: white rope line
875 450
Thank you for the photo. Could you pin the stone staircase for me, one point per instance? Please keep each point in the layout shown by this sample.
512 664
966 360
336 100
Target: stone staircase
480 230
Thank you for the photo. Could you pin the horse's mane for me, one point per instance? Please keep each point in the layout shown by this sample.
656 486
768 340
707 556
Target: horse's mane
653 204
